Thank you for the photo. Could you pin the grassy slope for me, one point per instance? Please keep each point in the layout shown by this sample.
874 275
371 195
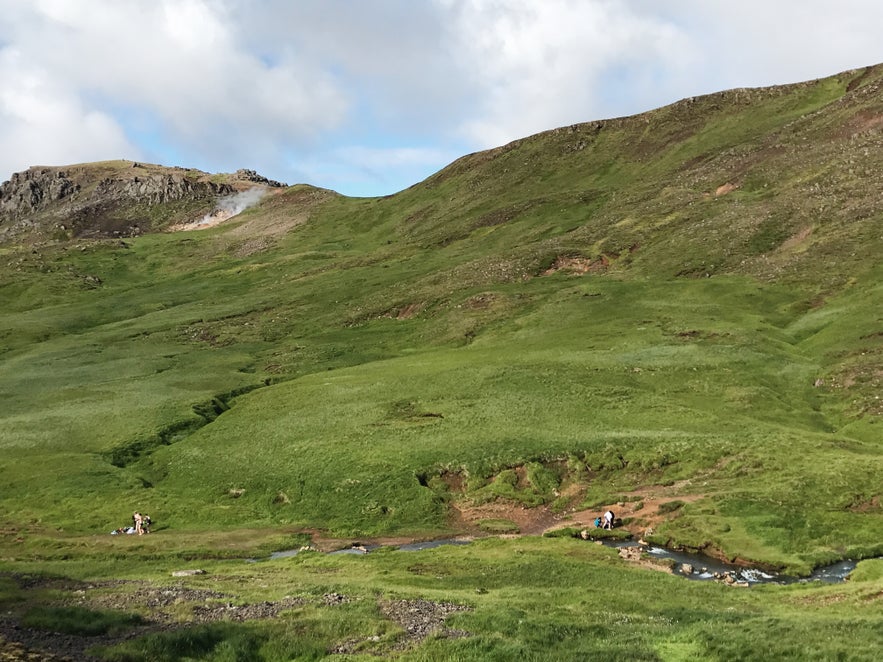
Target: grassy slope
672 373
394 341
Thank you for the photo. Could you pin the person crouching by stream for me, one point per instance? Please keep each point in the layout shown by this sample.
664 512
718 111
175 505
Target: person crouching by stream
608 519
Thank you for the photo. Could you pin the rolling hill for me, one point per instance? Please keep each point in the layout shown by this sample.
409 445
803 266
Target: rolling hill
685 305
697 285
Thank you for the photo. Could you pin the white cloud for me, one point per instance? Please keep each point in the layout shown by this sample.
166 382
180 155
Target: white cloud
546 64
185 59
370 92
181 63
757 42
539 65
43 121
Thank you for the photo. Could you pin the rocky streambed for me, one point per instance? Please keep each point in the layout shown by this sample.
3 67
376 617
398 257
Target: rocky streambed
694 566
701 567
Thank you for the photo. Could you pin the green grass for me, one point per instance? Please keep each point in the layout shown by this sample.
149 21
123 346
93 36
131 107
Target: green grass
78 621
384 359
643 381
542 599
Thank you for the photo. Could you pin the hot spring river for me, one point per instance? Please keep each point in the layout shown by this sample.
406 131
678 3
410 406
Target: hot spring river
704 568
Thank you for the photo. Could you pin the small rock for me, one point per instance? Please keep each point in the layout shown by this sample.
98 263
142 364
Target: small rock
188 573
630 553
687 569
334 599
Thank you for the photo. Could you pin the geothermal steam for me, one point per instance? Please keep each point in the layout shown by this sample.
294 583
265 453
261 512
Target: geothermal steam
232 205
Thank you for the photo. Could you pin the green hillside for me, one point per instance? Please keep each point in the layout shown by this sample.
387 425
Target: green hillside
686 302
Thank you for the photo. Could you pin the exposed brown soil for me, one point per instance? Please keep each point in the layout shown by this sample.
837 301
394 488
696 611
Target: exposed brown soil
723 189
797 239
868 506
865 120
641 508
408 311
577 265
284 210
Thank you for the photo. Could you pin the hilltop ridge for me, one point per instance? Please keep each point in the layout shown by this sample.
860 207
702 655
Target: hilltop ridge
771 181
776 182
111 198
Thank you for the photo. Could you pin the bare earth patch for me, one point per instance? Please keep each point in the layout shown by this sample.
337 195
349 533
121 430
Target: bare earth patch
723 189
642 508
797 239
283 210
577 265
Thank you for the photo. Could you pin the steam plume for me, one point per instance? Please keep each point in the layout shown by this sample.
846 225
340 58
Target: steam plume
232 205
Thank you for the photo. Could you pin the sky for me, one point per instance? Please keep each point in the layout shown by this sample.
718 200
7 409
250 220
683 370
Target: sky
368 97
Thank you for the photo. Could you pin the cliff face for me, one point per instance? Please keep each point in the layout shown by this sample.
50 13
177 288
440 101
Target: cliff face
110 199
27 191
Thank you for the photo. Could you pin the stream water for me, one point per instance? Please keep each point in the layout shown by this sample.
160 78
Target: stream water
701 567
697 567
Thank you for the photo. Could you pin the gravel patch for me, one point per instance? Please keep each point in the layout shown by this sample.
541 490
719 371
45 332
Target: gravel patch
422 618
164 605
419 618
19 643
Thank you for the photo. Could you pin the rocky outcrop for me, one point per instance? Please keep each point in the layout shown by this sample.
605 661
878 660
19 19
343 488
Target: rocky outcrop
37 189
110 199
251 176
158 189
27 191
